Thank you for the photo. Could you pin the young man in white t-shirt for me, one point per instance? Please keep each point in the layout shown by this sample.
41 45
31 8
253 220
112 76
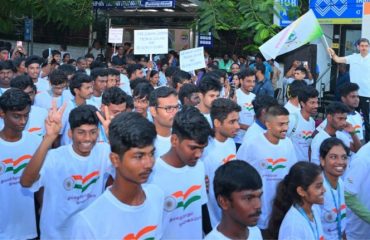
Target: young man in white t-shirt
272 155
33 66
163 106
260 104
58 83
35 124
6 74
210 89
100 79
293 91
244 98
181 176
336 123
81 87
72 176
356 187
134 207
221 148
238 190
17 208
301 124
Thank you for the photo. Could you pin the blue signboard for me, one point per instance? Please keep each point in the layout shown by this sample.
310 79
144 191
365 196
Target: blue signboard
284 18
28 29
337 11
129 4
205 40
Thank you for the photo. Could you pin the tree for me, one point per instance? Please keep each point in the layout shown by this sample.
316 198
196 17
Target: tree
249 18
74 14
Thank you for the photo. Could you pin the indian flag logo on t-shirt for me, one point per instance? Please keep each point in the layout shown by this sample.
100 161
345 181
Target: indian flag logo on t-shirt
307 135
14 166
342 215
248 106
143 234
274 165
357 128
81 182
229 158
180 199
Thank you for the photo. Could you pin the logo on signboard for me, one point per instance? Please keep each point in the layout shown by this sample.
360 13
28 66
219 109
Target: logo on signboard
324 6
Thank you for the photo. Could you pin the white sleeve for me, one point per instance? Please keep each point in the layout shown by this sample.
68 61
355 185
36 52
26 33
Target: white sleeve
242 153
356 175
204 195
47 166
349 59
315 147
80 229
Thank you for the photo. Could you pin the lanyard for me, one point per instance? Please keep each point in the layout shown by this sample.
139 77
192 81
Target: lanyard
337 205
303 213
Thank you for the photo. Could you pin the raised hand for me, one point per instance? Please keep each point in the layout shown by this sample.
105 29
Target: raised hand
53 122
105 120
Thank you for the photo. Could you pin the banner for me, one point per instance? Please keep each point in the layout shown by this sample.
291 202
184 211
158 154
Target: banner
301 31
153 41
192 59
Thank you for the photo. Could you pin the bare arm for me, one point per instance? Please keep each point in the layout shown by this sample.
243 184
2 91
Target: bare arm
52 125
335 57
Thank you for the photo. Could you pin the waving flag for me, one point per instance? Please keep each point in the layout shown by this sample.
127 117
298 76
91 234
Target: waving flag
301 31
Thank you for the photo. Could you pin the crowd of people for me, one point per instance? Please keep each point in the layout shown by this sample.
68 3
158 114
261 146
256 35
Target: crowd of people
130 148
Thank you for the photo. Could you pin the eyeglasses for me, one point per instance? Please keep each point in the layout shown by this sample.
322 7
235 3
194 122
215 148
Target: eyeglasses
170 109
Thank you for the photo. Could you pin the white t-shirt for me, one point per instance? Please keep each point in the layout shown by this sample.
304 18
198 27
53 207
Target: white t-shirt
96 101
185 193
302 134
109 218
71 182
67 95
44 100
296 227
17 208
355 119
357 182
329 210
359 72
36 121
125 84
246 115
254 130
162 145
272 162
209 119
254 234
42 85
319 138
216 154
292 108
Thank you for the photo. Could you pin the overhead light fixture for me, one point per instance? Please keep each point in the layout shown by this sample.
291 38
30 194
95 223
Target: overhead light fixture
168 10
189 5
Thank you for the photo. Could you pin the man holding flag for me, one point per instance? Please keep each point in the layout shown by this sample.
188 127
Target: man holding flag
359 73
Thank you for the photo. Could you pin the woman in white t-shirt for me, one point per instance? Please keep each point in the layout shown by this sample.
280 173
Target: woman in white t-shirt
333 159
294 214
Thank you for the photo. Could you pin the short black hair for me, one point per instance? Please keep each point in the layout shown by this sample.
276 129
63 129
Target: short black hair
17 61
306 93
276 110
337 107
130 130
262 102
186 91
14 99
33 59
113 95
68 69
208 83
98 72
80 59
179 77
222 107
347 88
161 92
170 71
235 176
137 81
295 88
113 72
132 68
84 114
130 102
246 73
89 55
143 90
22 82
98 64
55 52
302 69
77 80
9 65
260 67
57 77
190 124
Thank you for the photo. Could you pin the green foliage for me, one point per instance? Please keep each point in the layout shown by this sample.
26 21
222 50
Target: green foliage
74 14
251 19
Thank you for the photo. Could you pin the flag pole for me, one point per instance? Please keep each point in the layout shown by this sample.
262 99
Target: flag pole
326 43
